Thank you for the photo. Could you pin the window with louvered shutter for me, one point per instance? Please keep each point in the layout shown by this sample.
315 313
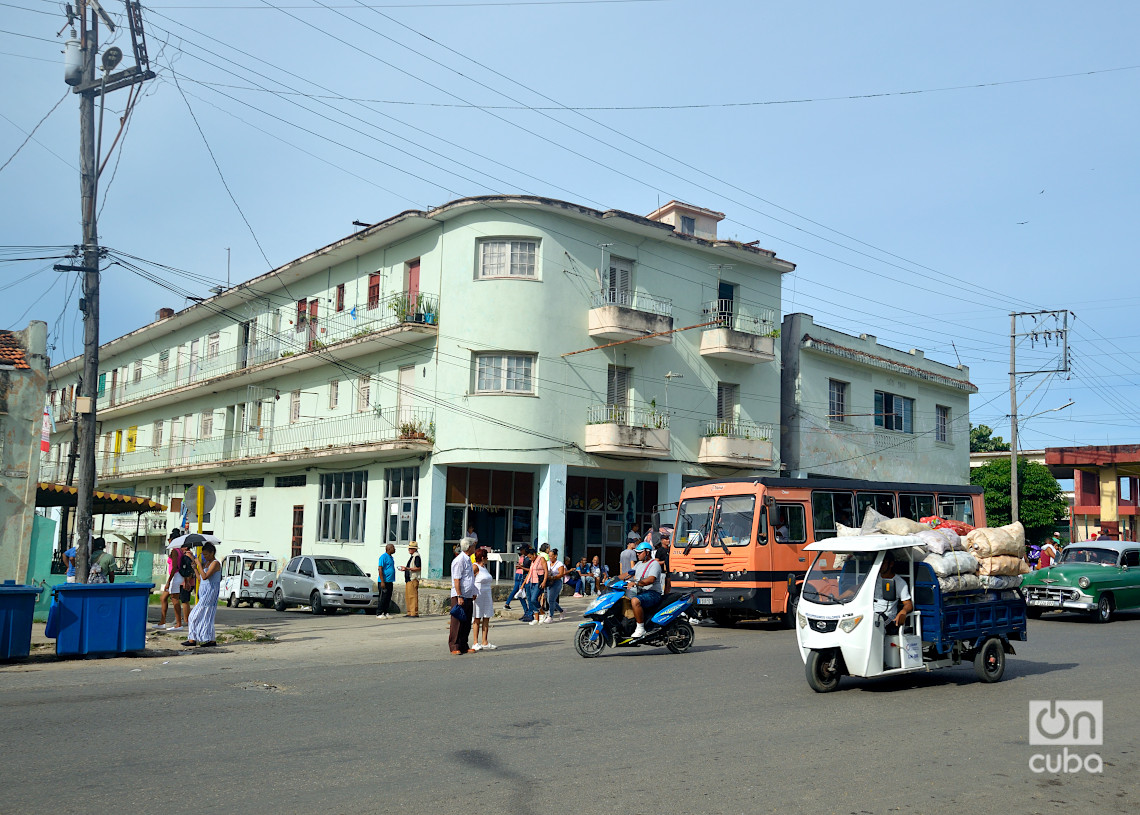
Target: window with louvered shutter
619 281
618 385
727 399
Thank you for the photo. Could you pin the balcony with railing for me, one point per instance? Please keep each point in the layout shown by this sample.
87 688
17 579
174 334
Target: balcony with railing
379 434
396 320
630 315
741 333
737 444
624 430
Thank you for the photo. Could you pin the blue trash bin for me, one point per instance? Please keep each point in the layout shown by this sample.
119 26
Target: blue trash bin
17 604
101 618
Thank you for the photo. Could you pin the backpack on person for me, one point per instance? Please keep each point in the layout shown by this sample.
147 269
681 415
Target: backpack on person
185 566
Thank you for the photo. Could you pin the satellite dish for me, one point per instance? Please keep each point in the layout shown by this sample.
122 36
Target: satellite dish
112 57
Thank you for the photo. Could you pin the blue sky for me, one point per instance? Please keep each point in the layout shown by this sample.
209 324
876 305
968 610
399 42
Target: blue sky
1009 183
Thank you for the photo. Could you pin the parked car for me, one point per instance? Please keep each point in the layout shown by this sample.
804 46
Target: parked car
248 577
1096 577
325 583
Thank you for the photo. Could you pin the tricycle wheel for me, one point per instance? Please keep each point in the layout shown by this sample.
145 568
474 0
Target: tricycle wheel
989 661
585 646
231 601
822 671
681 637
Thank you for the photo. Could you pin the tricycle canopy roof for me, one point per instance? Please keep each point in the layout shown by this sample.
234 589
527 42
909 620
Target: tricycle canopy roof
864 543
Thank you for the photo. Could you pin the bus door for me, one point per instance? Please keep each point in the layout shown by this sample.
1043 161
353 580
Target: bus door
789 535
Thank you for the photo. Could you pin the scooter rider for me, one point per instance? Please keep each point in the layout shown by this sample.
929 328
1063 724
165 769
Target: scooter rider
649 584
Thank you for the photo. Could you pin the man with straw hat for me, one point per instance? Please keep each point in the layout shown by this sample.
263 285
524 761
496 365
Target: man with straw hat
412 580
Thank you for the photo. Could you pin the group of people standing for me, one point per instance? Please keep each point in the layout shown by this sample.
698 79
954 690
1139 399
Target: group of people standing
471 605
387 579
185 572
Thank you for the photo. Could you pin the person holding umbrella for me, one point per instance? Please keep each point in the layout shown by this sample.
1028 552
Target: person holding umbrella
209 573
173 584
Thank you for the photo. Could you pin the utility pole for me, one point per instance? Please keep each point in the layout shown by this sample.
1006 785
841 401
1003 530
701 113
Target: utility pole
88 87
1047 326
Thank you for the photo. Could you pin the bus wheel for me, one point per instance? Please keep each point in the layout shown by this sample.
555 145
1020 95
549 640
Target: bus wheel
989 661
823 671
789 616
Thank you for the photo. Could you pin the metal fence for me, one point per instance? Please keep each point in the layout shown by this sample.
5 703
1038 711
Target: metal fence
634 300
741 317
627 415
738 430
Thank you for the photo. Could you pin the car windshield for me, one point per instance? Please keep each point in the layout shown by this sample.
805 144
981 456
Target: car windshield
836 577
1088 554
328 565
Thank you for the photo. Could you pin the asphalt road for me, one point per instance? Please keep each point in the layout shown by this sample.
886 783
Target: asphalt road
346 714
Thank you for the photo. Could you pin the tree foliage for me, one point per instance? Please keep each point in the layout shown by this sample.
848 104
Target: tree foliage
1040 501
983 440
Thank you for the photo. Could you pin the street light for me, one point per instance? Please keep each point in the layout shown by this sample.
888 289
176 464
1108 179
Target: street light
1013 508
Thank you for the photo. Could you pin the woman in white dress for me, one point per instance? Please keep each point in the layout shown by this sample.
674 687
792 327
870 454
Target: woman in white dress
202 617
484 608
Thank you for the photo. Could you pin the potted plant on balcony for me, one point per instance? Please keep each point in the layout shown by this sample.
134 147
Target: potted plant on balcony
428 307
400 304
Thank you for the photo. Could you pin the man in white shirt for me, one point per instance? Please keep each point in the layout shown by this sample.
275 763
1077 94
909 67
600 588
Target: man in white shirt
890 591
649 583
463 597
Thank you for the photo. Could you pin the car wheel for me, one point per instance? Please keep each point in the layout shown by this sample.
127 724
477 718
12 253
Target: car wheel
315 603
1104 609
231 601
681 637
989 661
278 600
585 646
823 671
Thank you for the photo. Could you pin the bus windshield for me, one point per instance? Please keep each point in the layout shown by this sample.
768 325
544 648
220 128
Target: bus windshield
694 520
734 514
836 577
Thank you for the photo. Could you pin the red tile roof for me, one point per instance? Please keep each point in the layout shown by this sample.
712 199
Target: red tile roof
11 352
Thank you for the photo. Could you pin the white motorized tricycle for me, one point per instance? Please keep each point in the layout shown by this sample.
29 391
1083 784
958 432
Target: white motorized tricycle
843 628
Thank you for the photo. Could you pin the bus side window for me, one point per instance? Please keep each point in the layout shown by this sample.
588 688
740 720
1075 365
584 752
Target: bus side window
788 523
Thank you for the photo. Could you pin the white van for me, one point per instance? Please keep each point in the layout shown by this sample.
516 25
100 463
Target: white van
248 576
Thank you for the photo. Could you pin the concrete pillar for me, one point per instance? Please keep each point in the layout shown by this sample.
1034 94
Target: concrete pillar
429 525
552 504
1109 499
668 487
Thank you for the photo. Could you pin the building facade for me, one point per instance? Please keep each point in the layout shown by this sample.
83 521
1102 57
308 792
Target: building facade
529 368
23 384
856 409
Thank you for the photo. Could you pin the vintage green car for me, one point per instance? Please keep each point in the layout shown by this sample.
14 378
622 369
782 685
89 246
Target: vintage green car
1097 577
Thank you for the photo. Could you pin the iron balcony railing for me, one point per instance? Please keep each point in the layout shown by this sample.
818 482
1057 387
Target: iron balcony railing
741 317
401 308
371 427
738 430
627 415
635 300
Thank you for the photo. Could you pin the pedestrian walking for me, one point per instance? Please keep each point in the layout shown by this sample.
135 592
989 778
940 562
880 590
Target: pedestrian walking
484 604
209 573
554 587
412 580
526 560
520 575
387 575
535 580
69 562
462 599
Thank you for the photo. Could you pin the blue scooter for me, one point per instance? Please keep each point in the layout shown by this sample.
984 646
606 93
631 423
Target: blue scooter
608 625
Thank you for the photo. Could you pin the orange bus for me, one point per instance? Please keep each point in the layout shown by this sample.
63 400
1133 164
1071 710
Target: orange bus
738 543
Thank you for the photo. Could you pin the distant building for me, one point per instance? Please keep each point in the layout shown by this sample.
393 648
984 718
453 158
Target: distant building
23 387
857 409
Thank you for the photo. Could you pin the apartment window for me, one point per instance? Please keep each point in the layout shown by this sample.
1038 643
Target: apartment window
727 401
894 412
837 401
374 290
213 345
294 406
244 483
618 284
157 436
341 507
340 297
688 225
302 316
290 481
499 258
253 506
363 393
136 376
102 384
942 424
163 362
504 373
207 426
619 380
334 393
237 506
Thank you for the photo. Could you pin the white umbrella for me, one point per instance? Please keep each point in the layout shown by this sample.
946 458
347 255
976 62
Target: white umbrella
194 539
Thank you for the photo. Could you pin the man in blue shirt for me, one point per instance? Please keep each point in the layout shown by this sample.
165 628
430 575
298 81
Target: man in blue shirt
69 560
387 578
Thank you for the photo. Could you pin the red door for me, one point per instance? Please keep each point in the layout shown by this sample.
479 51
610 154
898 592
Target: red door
413 286
313 330
298 528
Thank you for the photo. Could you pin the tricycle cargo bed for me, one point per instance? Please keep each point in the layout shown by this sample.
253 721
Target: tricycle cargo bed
949 618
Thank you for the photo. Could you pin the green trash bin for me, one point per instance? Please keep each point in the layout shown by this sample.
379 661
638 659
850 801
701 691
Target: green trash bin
17 605
101 618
